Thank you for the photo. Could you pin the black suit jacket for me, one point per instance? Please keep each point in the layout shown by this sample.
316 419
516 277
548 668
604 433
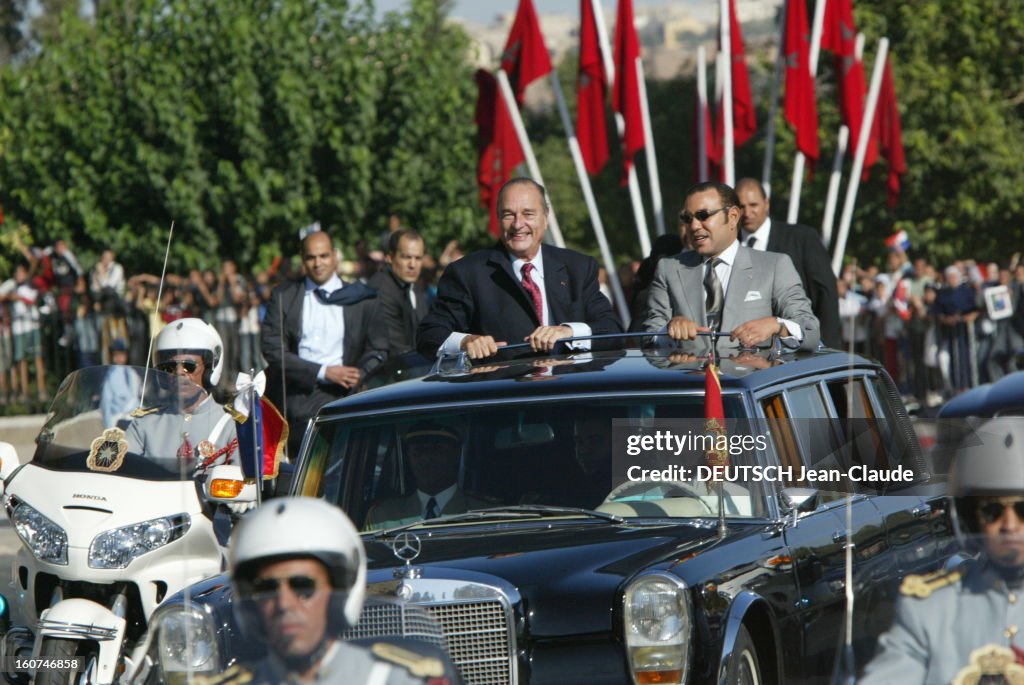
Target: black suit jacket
813 264
480 294
364 348
395 313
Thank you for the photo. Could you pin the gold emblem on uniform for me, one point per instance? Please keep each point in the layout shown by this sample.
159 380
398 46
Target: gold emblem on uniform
107 451
991 665
923 586
417 664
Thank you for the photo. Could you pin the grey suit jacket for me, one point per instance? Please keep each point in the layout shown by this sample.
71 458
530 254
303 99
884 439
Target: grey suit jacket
761 284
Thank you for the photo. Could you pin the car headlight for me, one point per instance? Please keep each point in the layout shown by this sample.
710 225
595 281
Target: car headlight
47 540
117 548
658 626
186 643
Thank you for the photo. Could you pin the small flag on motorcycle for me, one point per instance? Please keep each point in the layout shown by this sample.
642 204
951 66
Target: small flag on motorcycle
262 431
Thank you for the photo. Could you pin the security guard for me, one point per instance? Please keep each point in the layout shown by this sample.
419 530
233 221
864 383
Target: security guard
203 434
964 626
298 570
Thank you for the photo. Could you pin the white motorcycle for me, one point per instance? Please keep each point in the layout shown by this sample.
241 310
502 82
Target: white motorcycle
114 514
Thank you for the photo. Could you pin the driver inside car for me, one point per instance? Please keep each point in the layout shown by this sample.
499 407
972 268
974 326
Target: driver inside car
434 452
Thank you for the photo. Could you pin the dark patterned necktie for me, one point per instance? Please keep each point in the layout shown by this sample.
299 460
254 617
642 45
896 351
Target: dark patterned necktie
350 294
534 290
713 294
751 240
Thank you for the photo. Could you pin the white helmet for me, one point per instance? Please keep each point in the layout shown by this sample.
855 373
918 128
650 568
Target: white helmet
297 527
193 336
989 462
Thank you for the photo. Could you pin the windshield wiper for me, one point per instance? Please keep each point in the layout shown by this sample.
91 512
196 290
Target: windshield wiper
513 511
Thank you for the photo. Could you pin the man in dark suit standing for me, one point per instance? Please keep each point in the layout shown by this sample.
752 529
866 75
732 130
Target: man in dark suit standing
517 290
803 245
401 301
317 334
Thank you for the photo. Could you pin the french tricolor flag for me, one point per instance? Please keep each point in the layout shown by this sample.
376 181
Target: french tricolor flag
898 240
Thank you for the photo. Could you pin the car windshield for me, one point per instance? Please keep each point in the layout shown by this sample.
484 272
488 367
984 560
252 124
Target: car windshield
123 421
396 469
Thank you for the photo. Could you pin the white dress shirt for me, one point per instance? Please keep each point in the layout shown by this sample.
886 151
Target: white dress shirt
453 343
323 328
762 234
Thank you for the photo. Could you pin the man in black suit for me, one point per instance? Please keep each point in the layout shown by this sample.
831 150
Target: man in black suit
401 301
318 330
517 290
803 245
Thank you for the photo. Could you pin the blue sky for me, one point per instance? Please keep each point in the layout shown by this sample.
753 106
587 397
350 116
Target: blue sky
482 11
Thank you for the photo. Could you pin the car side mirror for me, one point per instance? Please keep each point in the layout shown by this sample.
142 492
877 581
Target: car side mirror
799 500
227 484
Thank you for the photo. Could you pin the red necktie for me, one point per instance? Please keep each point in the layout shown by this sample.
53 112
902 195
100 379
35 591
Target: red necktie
534 291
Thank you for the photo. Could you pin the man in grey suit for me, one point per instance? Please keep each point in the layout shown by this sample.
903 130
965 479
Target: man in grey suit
719 285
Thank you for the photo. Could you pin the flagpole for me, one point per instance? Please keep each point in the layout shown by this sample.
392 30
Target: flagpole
702 118
726 61
620 124
652 158
799 161
524 142
862 149
842 144
769 143
588 196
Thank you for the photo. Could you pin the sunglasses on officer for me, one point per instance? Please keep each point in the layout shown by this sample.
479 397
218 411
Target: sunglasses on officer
990 511
171 366
301 586
701 215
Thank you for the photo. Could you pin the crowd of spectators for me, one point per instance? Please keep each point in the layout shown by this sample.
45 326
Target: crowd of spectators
58 313
938 331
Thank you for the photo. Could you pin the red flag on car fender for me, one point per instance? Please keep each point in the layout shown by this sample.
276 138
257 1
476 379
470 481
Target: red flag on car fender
498 148
799 104
626 89
714 416
591 86
525 58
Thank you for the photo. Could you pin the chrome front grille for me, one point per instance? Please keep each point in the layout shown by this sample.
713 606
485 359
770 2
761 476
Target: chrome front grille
478 640
471 620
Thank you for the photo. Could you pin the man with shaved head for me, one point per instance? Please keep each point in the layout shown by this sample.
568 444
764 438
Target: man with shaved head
318 330
803 245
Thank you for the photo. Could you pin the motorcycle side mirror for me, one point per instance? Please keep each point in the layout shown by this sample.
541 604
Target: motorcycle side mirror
8 461
227 484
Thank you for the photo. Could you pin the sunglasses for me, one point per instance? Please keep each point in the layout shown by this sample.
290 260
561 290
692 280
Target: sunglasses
302 587
190 365
993 510
701 215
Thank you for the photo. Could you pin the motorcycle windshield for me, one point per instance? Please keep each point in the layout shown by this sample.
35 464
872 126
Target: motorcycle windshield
127 421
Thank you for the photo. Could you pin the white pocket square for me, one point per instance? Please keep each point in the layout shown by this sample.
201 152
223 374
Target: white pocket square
752 296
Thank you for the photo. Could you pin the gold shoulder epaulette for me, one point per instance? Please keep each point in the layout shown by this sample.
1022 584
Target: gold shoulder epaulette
417 664
139 412
236 675
238 416
924 585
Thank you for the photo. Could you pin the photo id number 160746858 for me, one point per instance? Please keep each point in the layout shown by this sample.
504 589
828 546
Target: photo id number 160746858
16 664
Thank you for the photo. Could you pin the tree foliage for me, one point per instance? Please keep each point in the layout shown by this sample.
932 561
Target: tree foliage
241 121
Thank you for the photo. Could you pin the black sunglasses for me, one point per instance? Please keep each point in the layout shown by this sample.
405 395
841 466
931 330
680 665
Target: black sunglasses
993 510
302 587
190 365
700 215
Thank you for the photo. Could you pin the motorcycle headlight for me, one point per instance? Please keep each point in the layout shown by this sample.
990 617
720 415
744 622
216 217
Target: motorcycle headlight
186 643
658 622
117 548
47 540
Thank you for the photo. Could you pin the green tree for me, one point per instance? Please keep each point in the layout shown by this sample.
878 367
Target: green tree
240 120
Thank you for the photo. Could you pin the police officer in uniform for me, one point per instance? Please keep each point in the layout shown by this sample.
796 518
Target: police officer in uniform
963 626
298 570
202 434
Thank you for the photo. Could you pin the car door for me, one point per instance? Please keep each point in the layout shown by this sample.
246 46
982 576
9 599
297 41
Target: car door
803 432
